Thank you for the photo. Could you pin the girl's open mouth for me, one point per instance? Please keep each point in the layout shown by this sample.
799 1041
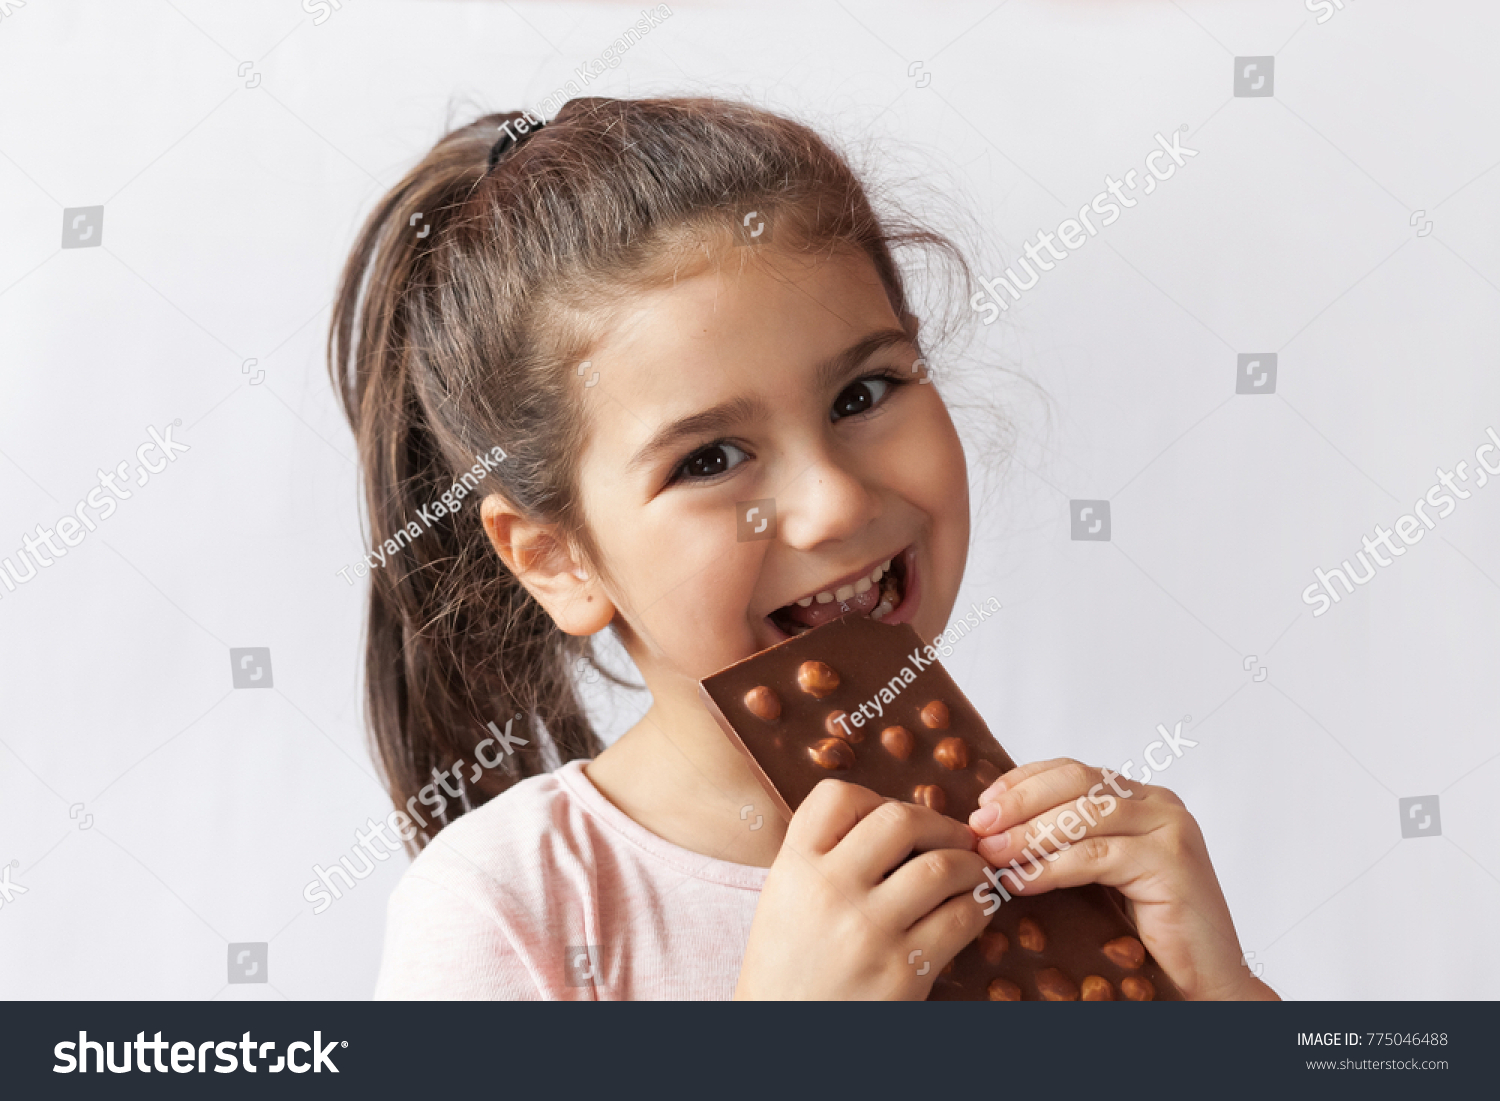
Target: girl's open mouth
881 594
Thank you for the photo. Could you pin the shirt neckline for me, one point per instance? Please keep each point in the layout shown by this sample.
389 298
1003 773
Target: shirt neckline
746 876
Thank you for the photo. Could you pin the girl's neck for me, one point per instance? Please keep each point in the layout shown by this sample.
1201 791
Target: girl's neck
676 774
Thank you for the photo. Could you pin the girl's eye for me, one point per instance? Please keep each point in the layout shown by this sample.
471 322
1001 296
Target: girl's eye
861 396
711 461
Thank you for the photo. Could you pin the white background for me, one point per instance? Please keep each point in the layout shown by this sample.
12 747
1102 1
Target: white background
228 210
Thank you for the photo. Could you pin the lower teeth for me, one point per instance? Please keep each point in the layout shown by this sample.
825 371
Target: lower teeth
890 596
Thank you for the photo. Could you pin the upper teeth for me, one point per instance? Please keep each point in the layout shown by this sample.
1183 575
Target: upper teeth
845 592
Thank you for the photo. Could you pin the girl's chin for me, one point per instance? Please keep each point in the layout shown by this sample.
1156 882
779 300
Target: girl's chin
905 610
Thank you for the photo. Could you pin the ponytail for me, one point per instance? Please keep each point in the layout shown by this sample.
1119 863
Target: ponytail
454 642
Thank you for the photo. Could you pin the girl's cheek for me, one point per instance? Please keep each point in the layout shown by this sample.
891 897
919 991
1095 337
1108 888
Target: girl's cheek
693 605
921 456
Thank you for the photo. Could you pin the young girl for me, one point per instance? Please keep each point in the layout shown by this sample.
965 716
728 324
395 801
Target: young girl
657 311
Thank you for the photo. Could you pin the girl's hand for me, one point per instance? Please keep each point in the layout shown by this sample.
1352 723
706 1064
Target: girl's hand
1142 842
830 923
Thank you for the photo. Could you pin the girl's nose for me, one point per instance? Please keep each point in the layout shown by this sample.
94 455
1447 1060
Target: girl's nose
825 502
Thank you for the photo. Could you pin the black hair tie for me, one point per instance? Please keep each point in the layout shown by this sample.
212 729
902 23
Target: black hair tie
509 140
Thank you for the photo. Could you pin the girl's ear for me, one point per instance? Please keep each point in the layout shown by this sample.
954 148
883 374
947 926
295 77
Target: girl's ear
545 564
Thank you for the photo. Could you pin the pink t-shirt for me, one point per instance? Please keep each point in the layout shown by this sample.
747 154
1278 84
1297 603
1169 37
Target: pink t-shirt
551 891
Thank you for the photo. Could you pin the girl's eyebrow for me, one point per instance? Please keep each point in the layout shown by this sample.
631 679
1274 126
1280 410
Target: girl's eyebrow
738 410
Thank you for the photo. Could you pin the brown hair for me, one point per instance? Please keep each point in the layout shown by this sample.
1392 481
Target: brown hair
467 297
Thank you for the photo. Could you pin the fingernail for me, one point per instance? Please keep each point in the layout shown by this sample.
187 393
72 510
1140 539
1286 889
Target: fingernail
984 818
991 793
991 847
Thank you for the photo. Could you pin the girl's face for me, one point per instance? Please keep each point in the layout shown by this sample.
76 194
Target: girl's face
763 456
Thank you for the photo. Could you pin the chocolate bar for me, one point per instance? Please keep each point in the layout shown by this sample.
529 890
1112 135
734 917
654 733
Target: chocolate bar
866 702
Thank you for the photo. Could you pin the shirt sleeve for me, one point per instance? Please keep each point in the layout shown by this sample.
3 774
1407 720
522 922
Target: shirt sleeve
441 946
